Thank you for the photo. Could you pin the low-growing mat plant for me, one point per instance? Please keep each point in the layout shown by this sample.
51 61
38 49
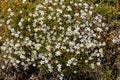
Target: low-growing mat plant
56 39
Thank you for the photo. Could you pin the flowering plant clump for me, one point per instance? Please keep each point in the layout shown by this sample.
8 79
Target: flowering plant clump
60 36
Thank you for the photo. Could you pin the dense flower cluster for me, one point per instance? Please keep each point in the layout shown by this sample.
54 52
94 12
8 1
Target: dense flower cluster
58 34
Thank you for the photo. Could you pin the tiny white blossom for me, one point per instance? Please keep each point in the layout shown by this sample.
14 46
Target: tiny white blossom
69 8
75 72
17 35
21 12
98 63
92 65
59 67
17 61
34 65
22 56
20 24
86 61
90 58
96 5
8 21
76 14
9 10
59 10
23 1
90 12
114 40
0 25
58 53
3 67
11 14
0 37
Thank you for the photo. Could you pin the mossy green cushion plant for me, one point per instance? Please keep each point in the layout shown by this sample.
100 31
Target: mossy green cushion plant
61 37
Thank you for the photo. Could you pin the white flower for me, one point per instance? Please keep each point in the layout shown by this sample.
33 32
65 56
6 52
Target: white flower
90 58
71 2
3 67
98 63
91 7
90 12
99 20
9 10
77 52
58 53
89 45
0 37
80 0
54 4
49 17
63 6
16 35
69 8
96 5
17 45
103 43
48 47
32 59
100 50
86 5
74 63
80 4
72 43
59 67
28 60
8 21
17 61
22 20
30 14
23 1
50 68
34 65
4 56
46 60
0 25
114 40
42 62
76 14
92 65
75 72
59 10
42 13
11 14
98 54
22 56
3 48
69 63
22 63
62 0
21 12
75 4
86 61
20 23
